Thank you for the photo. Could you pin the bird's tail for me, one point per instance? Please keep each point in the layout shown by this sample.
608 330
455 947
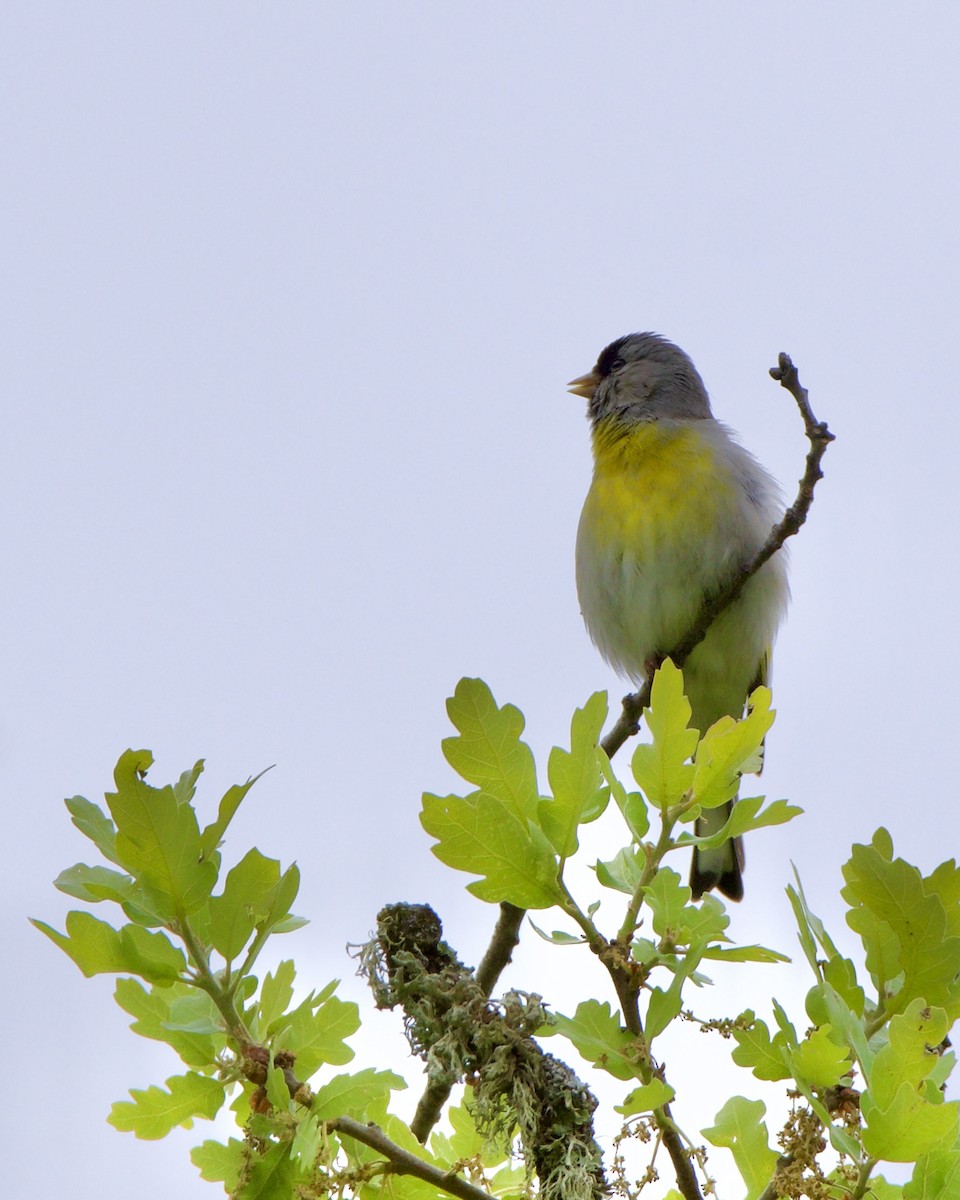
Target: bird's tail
721 868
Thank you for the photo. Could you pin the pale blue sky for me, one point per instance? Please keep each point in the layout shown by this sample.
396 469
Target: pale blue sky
291 294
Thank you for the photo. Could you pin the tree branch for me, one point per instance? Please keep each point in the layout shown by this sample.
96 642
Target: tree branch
682 1166
506 933
819 437
505 938
402 1162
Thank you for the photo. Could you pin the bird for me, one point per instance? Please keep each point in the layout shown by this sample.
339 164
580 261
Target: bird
675 509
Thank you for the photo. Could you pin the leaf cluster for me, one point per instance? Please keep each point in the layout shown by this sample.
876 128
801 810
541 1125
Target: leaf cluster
519 839
866 1075
189 935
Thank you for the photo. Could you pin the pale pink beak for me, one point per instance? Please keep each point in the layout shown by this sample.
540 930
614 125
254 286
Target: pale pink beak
585 385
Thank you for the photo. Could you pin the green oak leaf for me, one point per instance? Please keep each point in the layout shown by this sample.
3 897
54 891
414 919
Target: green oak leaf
94 823
668 897
219 1163
158 839
154 1112
579 794
181 1016
315 1033
487 751
662 770
151 955
232 798
248 893
465 1141
352 1095
754 953
904 928
646 1098
92 944
95 884
664 1004
598 1036
730 749
270 1176
756 1050
747 815
632 805
481 835
903 1120
819 1061
740 1128
622 873
558 937
935 1177
307 1143
276 993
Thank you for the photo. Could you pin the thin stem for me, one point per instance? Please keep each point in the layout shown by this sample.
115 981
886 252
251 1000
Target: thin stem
402 1162
595 938
629 926
876 1022
208 982
819 437
255 947
863 1179
682 1166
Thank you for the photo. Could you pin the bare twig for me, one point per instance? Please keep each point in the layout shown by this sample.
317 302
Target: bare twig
402 1162
819 437
682 1166
506 937
506 934
616 960
255 1063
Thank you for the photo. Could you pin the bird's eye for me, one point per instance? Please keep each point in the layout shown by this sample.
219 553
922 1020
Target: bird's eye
616 364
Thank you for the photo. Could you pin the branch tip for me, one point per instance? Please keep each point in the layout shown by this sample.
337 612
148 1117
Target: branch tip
819 437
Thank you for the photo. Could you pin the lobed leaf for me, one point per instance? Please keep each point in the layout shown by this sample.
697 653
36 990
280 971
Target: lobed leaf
935 1177
730 749
597 1034
632 805
154 1112
182 1016
662 769
353 1095
316 1032
158 839
487 751
904 928
819 1061
579 794
739 1127
94 823
903 1119
646 1098
248 894
218 1163
232 798
763 1055
482 835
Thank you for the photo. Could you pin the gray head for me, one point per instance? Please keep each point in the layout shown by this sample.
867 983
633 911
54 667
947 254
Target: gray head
643 377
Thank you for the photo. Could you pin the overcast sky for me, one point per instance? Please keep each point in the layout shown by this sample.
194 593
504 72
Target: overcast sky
290 296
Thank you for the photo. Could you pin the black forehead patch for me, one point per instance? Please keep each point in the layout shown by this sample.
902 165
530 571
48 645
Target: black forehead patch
610 355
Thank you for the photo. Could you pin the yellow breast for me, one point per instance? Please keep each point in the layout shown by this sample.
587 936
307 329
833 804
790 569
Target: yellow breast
654 482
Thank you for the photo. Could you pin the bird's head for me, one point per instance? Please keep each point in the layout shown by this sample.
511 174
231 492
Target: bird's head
642 377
